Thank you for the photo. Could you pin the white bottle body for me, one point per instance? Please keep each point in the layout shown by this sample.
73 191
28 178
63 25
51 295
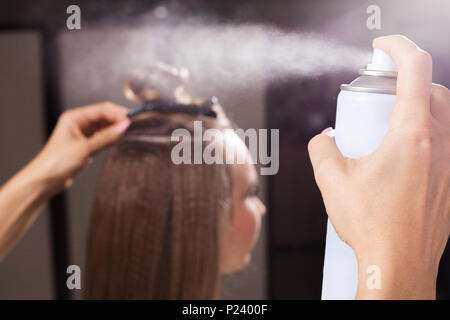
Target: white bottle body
362 120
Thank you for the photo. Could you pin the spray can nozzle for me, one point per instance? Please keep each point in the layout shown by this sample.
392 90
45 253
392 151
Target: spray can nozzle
380 76
381 61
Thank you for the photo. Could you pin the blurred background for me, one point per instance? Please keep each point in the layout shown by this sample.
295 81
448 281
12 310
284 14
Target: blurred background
273 64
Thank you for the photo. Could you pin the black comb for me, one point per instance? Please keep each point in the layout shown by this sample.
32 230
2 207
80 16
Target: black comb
170 106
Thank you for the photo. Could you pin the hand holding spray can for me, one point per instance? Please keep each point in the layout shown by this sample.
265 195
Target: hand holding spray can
364 108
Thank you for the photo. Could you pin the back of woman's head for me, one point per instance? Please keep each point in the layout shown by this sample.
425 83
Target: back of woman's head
155 226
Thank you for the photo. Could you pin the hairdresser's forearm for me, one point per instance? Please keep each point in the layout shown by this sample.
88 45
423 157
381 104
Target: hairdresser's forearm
400 277
21 200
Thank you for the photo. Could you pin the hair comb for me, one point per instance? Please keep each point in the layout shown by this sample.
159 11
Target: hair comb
171 106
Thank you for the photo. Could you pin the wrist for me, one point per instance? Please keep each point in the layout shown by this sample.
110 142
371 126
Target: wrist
390 274
41 171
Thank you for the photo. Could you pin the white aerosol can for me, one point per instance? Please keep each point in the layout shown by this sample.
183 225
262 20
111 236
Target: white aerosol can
364 108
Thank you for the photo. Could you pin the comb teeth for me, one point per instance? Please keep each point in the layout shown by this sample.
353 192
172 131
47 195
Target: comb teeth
170 106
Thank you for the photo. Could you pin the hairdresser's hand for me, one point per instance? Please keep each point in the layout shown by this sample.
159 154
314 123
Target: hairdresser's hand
79 134
393 206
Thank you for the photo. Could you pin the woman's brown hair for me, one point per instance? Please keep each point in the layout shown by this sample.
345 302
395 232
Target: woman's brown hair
155 226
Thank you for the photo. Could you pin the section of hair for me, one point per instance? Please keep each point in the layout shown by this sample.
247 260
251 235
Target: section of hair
155 228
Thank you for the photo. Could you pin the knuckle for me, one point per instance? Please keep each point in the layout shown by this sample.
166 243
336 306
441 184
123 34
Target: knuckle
104 106
440 92
397 37
315 143
420 58
325 166
65 116
312 143
107 105
420 138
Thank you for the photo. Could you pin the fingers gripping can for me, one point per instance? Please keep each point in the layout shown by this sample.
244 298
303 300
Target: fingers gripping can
364 108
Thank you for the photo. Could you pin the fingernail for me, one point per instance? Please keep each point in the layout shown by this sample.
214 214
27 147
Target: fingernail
123 126
329 132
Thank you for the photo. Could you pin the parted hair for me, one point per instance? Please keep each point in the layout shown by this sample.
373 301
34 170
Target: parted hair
155 227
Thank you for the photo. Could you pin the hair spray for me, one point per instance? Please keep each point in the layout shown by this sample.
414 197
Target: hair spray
363 111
